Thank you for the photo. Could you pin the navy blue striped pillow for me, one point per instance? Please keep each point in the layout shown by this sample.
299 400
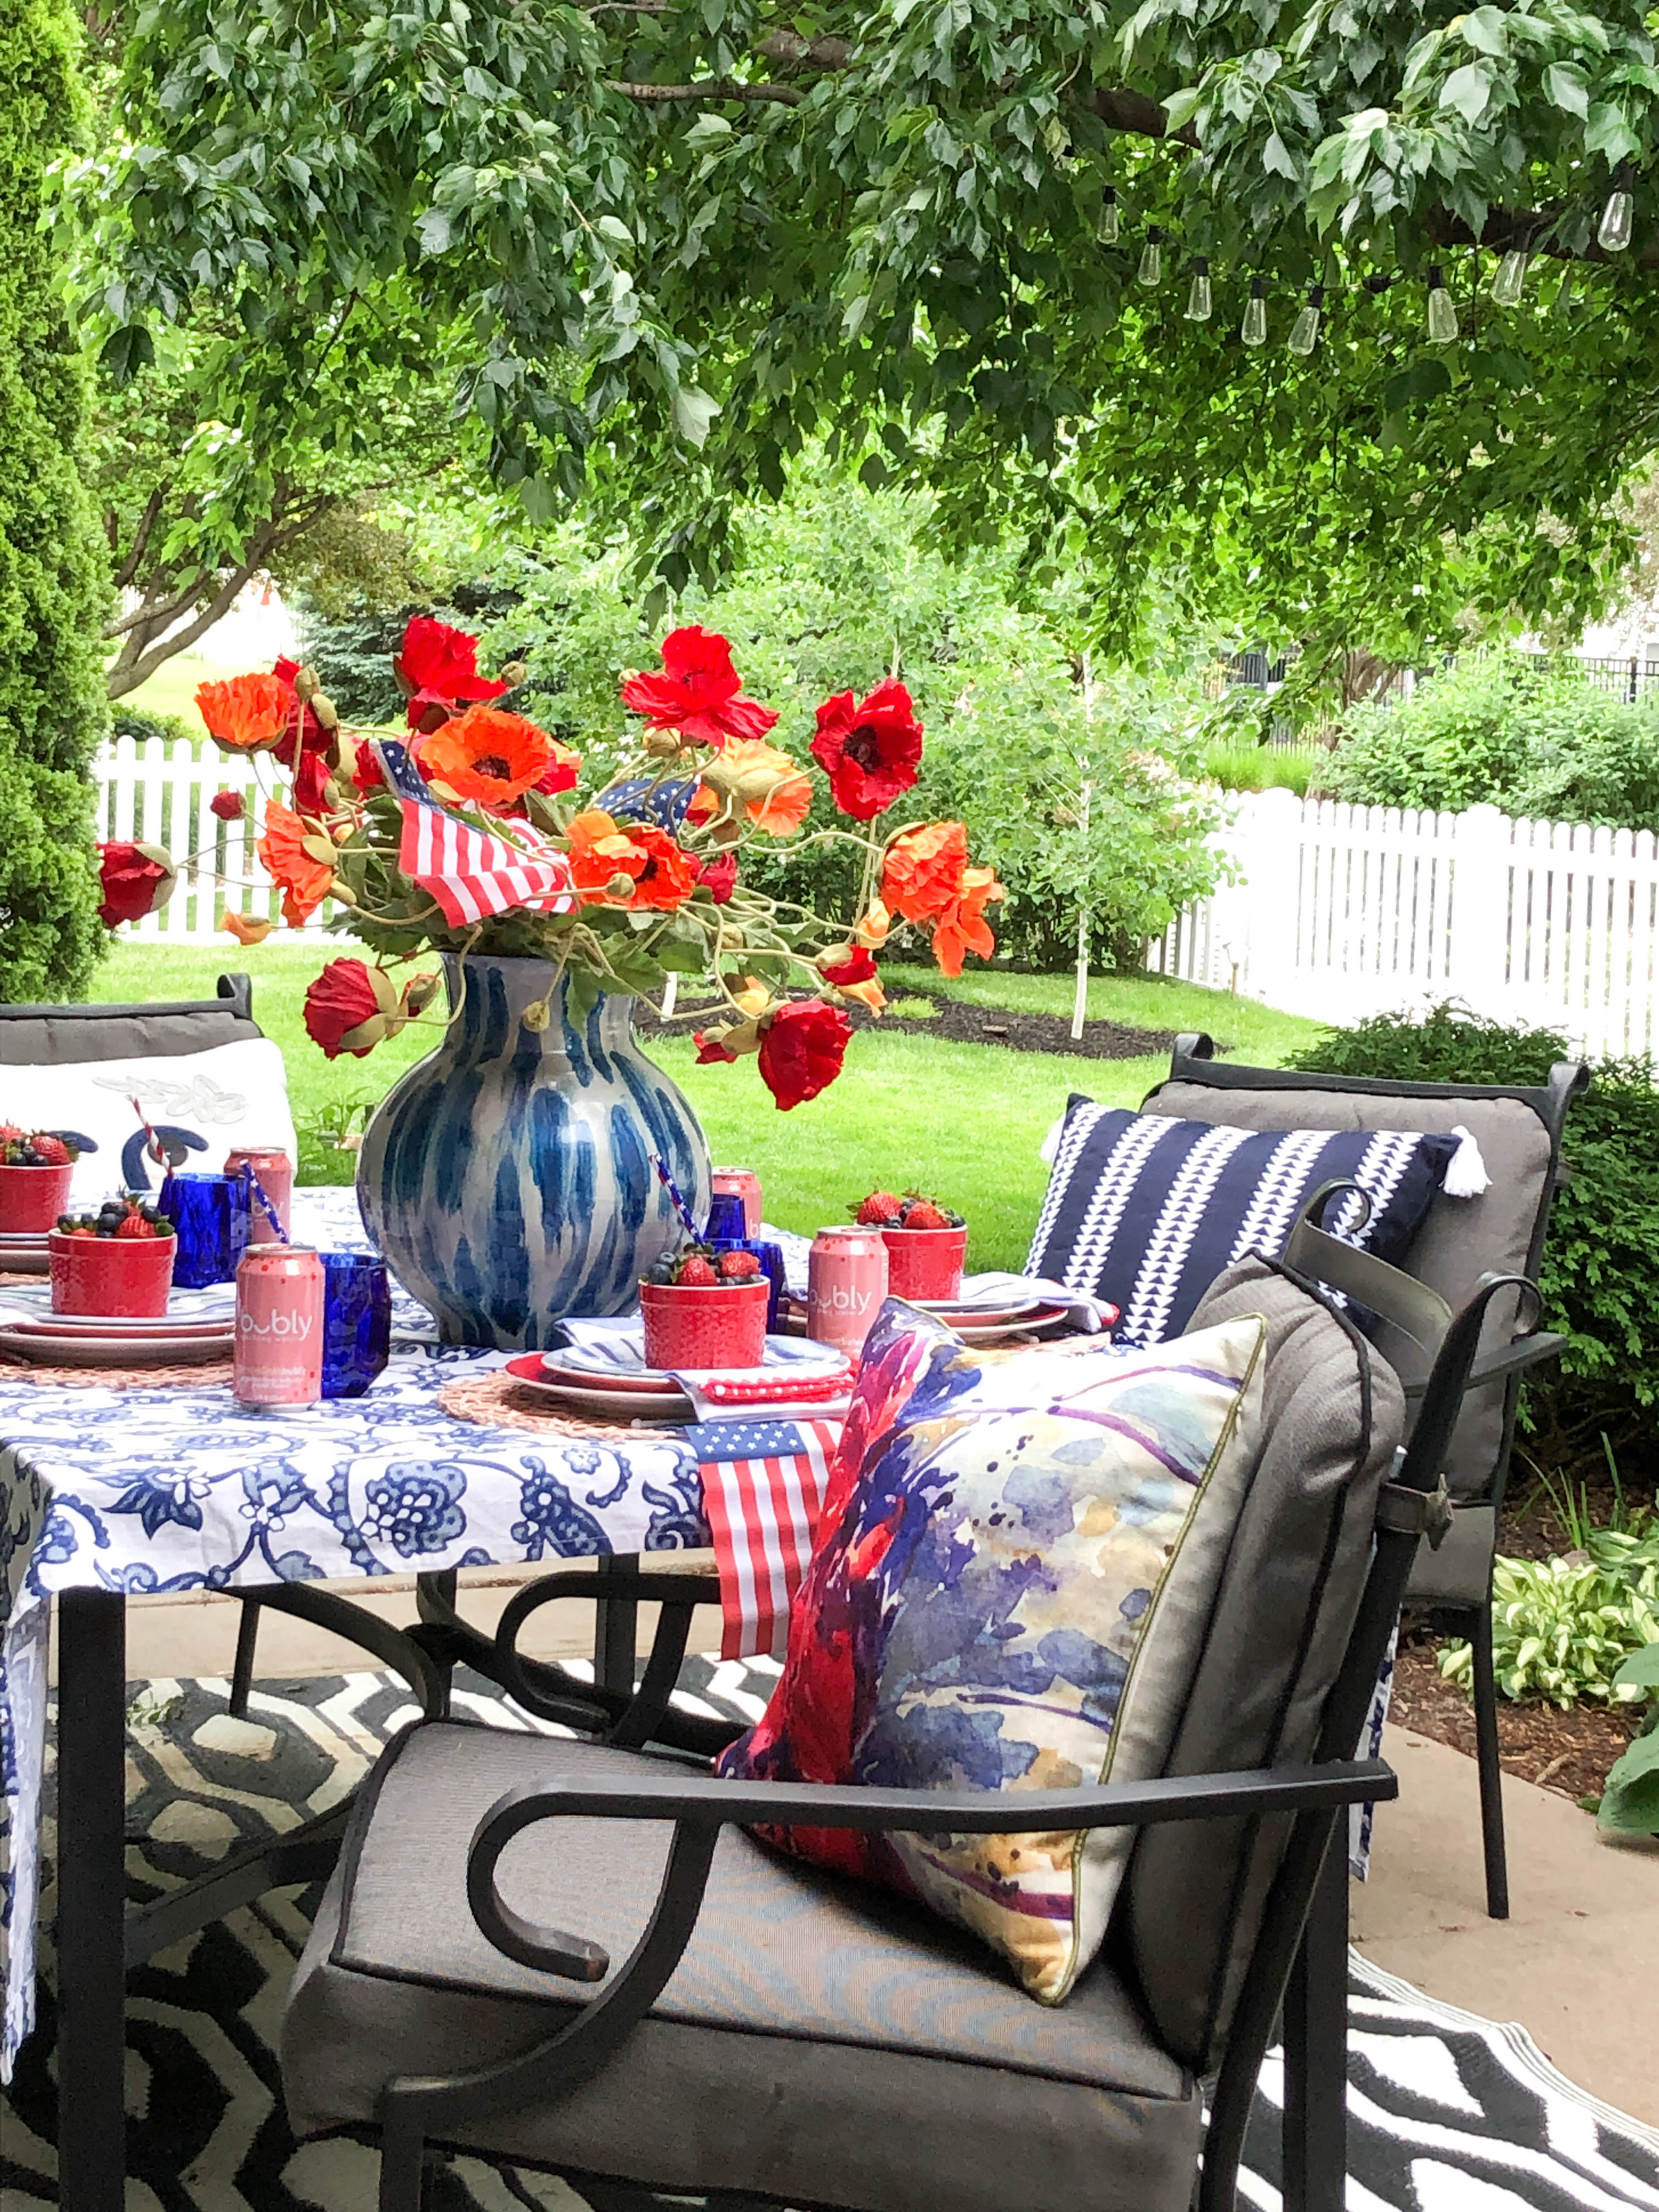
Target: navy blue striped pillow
1146 1211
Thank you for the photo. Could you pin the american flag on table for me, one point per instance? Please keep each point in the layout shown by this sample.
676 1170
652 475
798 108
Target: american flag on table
762 1484
470 872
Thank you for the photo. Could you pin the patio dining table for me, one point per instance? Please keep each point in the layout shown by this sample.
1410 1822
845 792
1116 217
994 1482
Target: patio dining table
109 1493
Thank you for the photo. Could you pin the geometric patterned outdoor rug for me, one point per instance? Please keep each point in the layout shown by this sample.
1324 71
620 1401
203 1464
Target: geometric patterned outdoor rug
1447 2112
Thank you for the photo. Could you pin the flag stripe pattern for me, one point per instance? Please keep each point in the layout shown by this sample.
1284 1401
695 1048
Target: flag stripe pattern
763 1486
471 873
1146 1211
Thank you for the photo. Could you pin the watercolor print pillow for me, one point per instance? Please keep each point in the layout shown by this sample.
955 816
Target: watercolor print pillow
1015 1568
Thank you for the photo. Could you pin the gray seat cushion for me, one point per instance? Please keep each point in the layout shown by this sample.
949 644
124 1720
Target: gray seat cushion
1332 1418
1461 1240
819 2042
58 1037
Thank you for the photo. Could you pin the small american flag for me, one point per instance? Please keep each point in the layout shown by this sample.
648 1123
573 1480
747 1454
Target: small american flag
470 873
762 1484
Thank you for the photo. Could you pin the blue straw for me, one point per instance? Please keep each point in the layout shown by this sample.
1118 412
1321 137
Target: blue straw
672 1188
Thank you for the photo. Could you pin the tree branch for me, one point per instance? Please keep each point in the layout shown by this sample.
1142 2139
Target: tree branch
712 88
141 536
139 658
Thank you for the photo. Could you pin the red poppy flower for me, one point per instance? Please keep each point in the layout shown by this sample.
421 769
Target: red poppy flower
303 747
711 1048
228 805
135 879
246 714
719 877
871 751
628 863
340 1000
366 774
486 755
855 966
561 771
304 880
438 668
962 928
698 692
802 1047
923 869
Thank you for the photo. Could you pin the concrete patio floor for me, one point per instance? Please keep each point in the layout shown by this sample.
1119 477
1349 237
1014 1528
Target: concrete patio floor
1576 1963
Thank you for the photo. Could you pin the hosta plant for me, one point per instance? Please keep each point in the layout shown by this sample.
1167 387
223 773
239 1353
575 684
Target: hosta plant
1630 1797
1563 1627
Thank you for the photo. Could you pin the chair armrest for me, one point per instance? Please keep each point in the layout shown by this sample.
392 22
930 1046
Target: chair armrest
1508 1359
700 1805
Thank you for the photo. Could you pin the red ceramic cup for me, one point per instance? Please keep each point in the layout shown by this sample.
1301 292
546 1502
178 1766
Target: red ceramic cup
692 1325
31 1199
129 1277
925 1263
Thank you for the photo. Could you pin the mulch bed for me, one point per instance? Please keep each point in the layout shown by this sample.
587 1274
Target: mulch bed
1567 1752
962 1024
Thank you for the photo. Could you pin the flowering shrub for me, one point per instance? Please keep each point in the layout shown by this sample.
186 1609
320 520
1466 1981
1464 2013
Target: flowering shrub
470 837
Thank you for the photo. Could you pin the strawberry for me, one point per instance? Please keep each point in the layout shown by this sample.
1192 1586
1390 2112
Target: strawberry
879 1208
53 1151
924 1214
738 1266
136 1225
695 1269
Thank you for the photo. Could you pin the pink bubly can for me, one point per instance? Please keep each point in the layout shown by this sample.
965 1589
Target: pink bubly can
273 1171
846 1282
744 1183
279 1326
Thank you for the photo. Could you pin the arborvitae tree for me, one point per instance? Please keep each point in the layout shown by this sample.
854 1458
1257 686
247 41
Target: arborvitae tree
53 570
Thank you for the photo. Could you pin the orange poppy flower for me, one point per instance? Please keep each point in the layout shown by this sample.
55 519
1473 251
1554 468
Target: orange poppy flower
246 928
774 792
486 755
962 928
305 881
922 873
604 854
247 713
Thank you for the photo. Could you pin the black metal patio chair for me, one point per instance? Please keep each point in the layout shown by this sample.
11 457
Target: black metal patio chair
773 2033
1519 1132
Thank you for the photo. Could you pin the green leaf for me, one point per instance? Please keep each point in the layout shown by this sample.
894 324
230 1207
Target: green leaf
610 226
1564 84
126 351
708 131
1608 134
1422 381
1487 30
434 231
1467 90
694 411
1642 1667
1630 1800
1277 159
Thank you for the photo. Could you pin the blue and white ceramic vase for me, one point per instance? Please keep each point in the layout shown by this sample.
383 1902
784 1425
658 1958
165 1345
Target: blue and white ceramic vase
509 1178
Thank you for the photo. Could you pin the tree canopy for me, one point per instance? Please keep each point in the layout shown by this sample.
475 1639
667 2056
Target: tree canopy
654 248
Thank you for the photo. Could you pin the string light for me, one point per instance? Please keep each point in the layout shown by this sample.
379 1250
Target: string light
1509 283
1614 234
1443 315
1199 302
1304 331
1106 229
1254 328
1151 272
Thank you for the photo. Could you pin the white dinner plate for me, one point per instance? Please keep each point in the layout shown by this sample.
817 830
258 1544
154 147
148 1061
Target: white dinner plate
612 1405
112 1350
797 1355
1044 1319
213 1307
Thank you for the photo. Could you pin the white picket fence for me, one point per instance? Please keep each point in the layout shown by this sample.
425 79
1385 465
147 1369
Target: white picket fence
155 791
1343 911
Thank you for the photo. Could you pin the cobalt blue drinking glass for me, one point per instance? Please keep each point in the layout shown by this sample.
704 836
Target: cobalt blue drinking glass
212 1218
356 1322
770 1256
727 1220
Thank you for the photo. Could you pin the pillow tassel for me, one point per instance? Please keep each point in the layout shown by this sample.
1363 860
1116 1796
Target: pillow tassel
1467 1177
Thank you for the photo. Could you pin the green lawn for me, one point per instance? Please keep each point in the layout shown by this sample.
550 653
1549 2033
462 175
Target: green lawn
172 689
963 1120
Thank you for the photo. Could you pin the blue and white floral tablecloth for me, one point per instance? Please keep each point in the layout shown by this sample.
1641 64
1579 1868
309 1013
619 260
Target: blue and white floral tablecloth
176 1489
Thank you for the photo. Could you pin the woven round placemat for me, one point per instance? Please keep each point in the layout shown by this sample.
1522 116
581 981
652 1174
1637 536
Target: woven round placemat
205 1375
498 1401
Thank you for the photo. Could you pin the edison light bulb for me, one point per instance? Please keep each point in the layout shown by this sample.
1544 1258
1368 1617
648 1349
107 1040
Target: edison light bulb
1254 328
1304 331
1613 236
1443 315
1106 229
1199 303
1509 283
1151 270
